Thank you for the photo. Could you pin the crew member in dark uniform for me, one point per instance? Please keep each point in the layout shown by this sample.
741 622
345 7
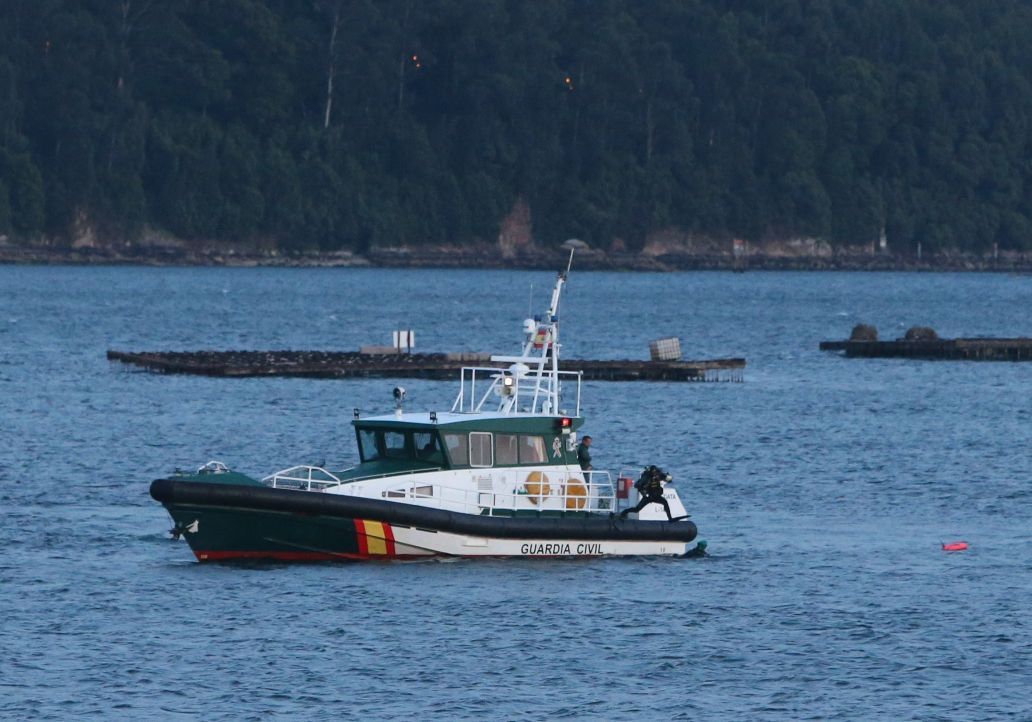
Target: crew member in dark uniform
650 484
583 455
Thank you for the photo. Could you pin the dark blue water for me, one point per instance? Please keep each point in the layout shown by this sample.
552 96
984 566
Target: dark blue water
823 485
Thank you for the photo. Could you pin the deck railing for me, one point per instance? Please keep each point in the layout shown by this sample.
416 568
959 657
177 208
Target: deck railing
315 478
585 491
307 478
527 390
591 492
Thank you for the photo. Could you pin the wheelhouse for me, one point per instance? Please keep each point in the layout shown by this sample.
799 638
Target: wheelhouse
544 441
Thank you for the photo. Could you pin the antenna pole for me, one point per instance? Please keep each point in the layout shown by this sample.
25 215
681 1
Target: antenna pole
546 334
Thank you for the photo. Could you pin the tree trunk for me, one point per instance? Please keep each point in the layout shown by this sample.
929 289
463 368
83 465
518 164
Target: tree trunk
404 57
650 128
125 6
577 107
331 69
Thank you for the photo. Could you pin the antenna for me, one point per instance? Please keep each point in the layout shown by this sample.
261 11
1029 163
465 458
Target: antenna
572 244
534 374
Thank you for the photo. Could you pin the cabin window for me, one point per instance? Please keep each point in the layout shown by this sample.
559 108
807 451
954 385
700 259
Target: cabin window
367 445
480 451
458 449
394 445
532 450
505 450
427 448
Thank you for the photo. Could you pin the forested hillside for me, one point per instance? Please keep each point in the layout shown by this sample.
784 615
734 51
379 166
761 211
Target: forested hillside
325 124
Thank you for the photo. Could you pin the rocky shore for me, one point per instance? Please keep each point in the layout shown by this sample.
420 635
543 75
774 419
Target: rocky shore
527 257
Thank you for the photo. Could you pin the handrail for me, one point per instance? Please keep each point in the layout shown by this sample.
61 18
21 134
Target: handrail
600 497
302 477
306 483
214 467
349 480
526 384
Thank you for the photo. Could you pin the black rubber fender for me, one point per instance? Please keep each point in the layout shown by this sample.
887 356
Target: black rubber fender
172 492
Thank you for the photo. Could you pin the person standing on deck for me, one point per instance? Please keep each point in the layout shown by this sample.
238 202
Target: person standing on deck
584 455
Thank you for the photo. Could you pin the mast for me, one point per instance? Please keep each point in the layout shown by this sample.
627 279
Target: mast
539 362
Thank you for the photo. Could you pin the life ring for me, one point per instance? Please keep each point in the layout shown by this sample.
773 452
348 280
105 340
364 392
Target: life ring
537 486
576 494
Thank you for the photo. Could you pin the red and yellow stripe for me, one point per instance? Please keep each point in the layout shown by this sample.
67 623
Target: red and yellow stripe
375 538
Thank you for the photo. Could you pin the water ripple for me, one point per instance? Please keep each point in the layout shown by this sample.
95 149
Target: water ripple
824 487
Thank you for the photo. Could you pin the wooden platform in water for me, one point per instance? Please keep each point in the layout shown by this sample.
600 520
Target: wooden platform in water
970 349
334 364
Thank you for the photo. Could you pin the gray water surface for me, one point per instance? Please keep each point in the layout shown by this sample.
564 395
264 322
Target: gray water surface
824 487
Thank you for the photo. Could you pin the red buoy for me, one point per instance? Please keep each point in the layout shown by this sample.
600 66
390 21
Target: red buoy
958 546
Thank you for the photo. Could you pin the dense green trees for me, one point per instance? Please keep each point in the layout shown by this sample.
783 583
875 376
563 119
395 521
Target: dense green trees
324 124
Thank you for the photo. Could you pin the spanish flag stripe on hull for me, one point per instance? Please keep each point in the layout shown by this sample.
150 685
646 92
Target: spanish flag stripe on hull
360 537
375 542
388 534
375 538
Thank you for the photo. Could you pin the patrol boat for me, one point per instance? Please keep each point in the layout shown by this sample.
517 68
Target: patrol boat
496 476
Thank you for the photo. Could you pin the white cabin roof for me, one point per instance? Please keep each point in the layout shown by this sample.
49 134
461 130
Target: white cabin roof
451 417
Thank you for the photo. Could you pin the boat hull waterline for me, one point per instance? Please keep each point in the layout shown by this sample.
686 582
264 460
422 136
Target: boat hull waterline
229 522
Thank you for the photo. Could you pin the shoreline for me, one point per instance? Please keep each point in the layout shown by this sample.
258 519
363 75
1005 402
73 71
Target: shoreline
493 258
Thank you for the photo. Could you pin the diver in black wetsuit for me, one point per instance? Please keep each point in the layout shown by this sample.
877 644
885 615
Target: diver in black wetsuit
650 485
